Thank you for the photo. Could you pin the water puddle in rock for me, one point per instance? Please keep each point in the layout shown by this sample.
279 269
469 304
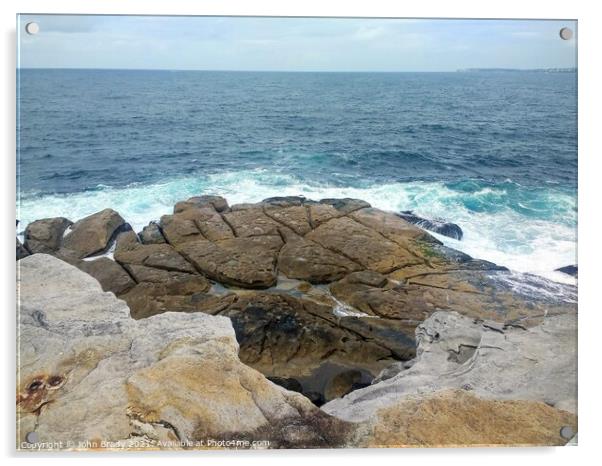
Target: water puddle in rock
327 382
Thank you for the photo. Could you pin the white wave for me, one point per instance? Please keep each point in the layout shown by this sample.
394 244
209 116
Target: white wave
505 236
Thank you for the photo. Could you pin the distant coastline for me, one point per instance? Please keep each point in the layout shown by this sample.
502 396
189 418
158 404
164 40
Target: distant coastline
534 70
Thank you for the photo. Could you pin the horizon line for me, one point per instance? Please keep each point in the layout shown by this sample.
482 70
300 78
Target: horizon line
302 71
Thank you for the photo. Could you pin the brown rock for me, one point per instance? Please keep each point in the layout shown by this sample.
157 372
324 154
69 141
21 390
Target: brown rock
110 275
362 245
92 234
180 228
217 202
294 217
346 205
252 222
151 234
376 300
143 273
321 213
182 293
160 256
246 262
211 224
456 418
46 235
304 259
284 336
342 383
21 250
390 225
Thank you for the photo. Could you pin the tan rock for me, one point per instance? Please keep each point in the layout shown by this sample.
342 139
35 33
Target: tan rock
180 228
321 213
389 225
248 262
304 259
252 222
92 234
216 202
456 418
362 245
294 217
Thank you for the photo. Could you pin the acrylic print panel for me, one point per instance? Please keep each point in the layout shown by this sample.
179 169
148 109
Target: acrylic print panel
245 232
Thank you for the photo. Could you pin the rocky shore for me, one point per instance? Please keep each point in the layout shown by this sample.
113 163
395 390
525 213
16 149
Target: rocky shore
290 323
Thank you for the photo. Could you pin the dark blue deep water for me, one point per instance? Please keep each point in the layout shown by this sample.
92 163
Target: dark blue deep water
494 151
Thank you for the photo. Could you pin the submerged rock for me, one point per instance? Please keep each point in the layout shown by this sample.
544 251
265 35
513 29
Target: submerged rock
436 225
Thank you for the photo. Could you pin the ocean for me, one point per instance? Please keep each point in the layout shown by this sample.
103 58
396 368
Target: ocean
494 152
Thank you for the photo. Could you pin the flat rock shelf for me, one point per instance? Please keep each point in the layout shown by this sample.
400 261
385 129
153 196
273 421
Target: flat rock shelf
298 323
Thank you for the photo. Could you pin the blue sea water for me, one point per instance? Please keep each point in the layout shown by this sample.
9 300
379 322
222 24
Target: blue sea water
495 152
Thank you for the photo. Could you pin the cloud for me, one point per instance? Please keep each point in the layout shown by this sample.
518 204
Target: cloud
301 44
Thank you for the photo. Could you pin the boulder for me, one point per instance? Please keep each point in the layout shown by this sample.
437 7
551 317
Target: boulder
216 202
173 378
321 213
436 225
46 235
151 234
110 275
21 250
93 234
180 228
391 227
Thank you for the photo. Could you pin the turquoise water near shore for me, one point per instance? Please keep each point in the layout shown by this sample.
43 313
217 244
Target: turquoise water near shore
488 151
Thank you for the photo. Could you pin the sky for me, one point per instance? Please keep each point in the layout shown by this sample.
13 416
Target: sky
292 44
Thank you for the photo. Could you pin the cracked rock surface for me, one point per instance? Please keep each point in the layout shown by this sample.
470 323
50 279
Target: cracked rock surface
321 296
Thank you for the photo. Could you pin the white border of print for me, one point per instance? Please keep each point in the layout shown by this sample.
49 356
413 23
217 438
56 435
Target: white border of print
590 194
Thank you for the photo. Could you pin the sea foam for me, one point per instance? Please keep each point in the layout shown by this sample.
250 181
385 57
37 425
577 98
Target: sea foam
526 230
